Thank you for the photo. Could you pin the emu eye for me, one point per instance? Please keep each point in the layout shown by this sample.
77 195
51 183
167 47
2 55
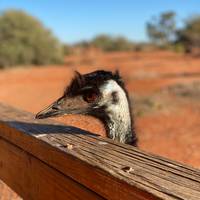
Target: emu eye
90 97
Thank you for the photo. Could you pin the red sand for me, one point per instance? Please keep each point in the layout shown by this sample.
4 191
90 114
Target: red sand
173 134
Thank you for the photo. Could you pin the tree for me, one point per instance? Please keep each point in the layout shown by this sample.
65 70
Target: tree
162 29
189 36
24 40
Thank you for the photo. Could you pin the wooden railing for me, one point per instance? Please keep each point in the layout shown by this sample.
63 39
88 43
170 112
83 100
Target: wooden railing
43 159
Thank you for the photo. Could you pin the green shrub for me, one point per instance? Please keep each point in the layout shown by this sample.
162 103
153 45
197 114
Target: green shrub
68 50
108 43
178 47
24 40
122 44
83 44
142 46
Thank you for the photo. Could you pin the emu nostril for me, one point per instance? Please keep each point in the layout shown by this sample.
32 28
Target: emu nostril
55 107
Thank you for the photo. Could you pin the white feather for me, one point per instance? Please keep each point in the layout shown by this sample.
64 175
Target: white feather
119 114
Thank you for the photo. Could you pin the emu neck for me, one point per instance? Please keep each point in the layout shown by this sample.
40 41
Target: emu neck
119 128
117 114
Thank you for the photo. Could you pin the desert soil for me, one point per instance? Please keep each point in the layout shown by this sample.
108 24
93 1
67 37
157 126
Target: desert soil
164 88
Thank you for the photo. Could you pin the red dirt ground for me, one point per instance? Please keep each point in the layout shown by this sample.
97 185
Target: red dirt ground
172 133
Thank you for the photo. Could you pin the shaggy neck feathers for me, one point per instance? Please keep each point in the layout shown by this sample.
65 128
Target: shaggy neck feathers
117 114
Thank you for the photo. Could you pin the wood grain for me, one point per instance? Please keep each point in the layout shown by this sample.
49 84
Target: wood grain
34 180
109 169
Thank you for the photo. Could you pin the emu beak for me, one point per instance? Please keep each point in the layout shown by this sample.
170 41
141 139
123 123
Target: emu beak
64 106
51 111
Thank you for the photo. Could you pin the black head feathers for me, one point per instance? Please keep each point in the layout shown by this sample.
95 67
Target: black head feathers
91 80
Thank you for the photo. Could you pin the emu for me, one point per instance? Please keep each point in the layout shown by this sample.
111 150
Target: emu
101 94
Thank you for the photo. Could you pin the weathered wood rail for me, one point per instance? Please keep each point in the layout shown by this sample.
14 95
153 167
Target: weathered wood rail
42 159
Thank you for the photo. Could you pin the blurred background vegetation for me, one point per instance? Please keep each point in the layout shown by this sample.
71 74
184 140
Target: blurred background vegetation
24 40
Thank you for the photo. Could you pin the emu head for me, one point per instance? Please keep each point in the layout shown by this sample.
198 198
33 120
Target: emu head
90 94
100 94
